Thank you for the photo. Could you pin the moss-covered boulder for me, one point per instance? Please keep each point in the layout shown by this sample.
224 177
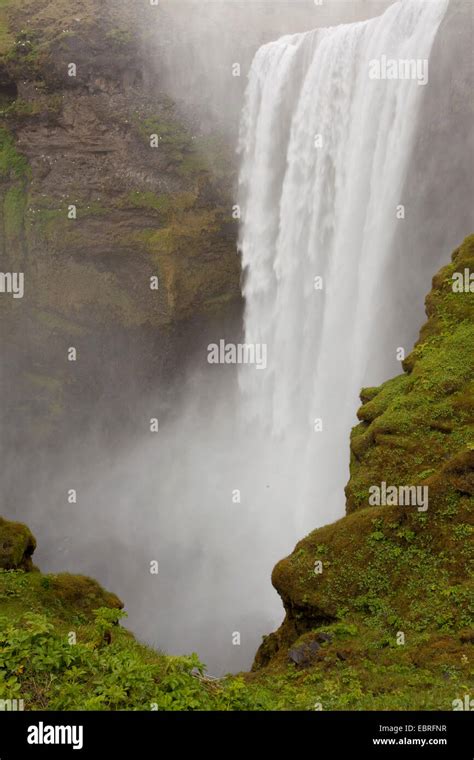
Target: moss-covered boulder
17 545
63 591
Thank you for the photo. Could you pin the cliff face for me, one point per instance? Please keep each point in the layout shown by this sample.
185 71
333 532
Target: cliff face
90 209
383 596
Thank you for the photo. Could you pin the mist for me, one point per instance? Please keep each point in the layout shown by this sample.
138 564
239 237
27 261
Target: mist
195 44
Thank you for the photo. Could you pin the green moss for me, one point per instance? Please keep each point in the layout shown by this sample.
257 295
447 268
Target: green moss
173 138
78 593
426 414
13 165
17 545
6 37
26 56
392 569
195 261
13 215
165 204
46 212
189 155
48 105
368 670
14 171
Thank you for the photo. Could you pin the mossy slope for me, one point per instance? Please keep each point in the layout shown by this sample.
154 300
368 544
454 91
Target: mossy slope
62 648
393 574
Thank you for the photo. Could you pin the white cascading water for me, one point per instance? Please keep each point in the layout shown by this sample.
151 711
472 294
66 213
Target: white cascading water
325 151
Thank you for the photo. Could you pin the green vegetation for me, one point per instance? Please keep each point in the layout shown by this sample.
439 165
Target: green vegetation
6 38
171 135
26 56
47 105
190 155
393 570
14 209
12 164
19 17
14 172
62 648
192 247
149 201
368 671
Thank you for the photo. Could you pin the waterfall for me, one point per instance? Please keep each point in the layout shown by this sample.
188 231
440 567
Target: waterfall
238 472
325 150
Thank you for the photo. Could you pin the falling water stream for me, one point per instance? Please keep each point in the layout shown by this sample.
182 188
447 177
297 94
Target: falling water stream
325 152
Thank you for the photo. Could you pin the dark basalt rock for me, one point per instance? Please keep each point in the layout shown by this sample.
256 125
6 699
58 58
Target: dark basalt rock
304 655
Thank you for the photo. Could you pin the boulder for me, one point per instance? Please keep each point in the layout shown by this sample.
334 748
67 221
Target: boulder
17 545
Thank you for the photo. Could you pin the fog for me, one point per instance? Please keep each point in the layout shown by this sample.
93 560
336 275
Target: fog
218 494
192 46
